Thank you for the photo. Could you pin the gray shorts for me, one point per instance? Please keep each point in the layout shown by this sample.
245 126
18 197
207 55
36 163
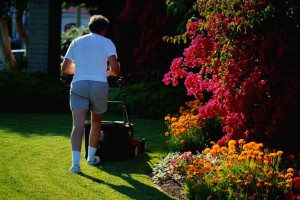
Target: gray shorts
91 95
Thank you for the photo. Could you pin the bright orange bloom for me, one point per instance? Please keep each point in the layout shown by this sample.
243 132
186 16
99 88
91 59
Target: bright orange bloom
290 170
250 177
167 118
279 153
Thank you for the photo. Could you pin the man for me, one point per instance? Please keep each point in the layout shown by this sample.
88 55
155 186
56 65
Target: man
91 55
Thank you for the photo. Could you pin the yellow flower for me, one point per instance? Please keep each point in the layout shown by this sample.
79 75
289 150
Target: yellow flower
247 183
206 150
246 172
250 177
209 198
215 147
268 184
290 170
219 168
289 175
279 153
196 185
266 162
259 185
272 154
167 134
270 174
231 142
182 141
238 181
167 118
231 151
280 176
241 141
231 176
288 185
242 158
224 149
255 152
213 152
289 181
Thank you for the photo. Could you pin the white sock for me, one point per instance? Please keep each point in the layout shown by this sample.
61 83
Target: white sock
75 158
91 153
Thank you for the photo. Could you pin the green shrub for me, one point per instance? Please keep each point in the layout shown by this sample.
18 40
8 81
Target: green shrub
150 99
32 92
37 92
68 36
195 139
161 171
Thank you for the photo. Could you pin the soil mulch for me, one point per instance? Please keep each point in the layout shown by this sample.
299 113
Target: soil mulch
173 188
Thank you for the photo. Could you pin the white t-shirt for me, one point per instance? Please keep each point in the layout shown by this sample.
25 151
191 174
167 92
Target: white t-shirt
90 54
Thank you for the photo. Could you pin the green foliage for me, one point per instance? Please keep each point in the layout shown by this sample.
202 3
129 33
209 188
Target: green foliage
178 39
68 36
32 92
192 192
150 99
184 11
5 8
213 129
160 171
195 139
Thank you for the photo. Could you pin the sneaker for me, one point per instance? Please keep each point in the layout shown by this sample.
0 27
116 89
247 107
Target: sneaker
96 161
75 169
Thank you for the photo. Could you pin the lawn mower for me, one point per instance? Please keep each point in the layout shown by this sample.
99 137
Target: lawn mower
117 137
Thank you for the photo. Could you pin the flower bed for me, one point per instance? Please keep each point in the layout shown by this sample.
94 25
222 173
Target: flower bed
238 170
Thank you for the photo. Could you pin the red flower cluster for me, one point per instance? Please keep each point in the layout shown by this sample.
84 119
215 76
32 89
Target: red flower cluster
252 83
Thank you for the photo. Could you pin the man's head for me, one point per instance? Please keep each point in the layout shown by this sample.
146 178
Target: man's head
98 23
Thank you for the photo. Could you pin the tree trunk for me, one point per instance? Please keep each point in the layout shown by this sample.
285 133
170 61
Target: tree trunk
6 54
21 29
21 6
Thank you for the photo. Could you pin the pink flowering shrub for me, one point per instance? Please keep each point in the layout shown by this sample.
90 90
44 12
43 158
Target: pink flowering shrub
243 54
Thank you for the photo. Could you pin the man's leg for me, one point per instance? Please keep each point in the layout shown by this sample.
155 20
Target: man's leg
94 137
79 116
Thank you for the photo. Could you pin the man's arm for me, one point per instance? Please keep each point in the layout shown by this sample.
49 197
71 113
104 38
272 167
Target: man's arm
67 67
114 66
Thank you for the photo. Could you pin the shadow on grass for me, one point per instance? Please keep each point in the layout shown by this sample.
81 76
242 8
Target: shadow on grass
36 124
124 169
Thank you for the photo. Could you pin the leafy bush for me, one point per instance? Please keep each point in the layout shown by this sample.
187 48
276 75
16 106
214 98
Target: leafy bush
161 172
193 140
245 55
186 132
32 92
68 36
149 99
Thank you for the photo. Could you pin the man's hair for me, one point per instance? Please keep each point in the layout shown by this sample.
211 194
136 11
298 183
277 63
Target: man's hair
98 23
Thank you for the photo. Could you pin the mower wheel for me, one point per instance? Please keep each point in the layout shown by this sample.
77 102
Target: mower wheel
143 142
145 146
134 150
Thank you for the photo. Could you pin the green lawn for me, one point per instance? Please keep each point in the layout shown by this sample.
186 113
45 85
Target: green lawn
35 157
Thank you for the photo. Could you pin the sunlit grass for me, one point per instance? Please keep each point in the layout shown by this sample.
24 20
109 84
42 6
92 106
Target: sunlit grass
35 158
